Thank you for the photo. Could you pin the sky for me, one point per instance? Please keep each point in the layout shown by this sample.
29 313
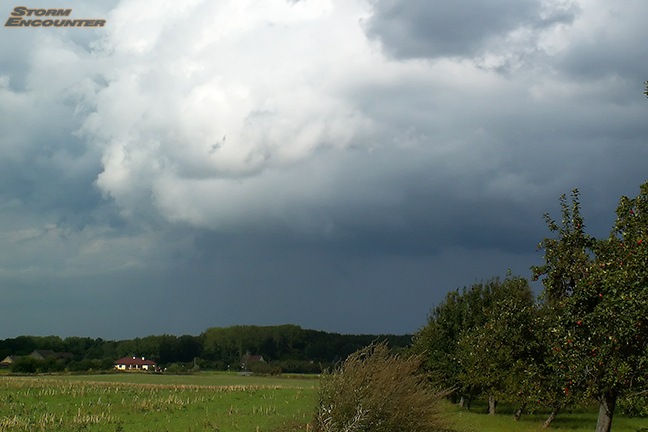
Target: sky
338 165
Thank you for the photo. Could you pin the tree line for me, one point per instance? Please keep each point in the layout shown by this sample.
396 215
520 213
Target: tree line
285 348
585 338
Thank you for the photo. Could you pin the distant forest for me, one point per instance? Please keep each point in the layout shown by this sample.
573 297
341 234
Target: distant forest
284 348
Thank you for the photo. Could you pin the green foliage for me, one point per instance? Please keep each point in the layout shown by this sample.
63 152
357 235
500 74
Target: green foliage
286 342
287 347
376 391
495 358
178 369
29 365
24 365
634 405
262 368
597 291
469 319
602 327
547 383
567 257
299 366
588 338
86 365
437 341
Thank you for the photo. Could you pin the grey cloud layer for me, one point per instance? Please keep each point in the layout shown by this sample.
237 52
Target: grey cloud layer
466 28
235 161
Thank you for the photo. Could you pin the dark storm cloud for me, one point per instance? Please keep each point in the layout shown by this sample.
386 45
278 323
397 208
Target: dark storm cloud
272 166
464 28
45 167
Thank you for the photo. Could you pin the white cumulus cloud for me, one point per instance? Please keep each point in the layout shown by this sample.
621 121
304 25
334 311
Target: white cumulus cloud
196 94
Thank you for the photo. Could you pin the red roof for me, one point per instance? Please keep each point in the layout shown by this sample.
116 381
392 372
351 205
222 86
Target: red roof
134 361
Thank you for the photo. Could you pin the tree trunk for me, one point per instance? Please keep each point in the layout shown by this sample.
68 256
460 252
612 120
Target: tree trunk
607 403
492 405
464 402
519 412
551 417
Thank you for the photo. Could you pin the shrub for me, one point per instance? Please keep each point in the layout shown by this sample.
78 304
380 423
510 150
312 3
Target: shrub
300 366
374 390
25 365
178 369
257 367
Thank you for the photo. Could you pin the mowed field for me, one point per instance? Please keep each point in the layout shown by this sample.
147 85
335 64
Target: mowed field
148 402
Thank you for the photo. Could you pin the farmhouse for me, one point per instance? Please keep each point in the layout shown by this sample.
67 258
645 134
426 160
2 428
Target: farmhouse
134 363
45 354
37 355
247 359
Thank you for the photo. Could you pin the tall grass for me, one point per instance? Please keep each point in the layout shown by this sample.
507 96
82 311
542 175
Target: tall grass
48 404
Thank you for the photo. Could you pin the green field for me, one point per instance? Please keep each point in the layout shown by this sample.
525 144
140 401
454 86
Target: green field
218 379
147 402
580 420
215 402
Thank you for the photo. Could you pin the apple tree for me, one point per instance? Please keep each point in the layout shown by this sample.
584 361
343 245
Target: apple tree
598 291
462 316
495 357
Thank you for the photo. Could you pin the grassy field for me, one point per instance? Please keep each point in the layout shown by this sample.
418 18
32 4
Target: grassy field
582 420
218 379
147 402
215 402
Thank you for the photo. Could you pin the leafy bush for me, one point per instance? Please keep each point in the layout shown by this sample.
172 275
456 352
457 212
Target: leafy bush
29 365
300 366
85 365
178 369
263 368
374 390
24 365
